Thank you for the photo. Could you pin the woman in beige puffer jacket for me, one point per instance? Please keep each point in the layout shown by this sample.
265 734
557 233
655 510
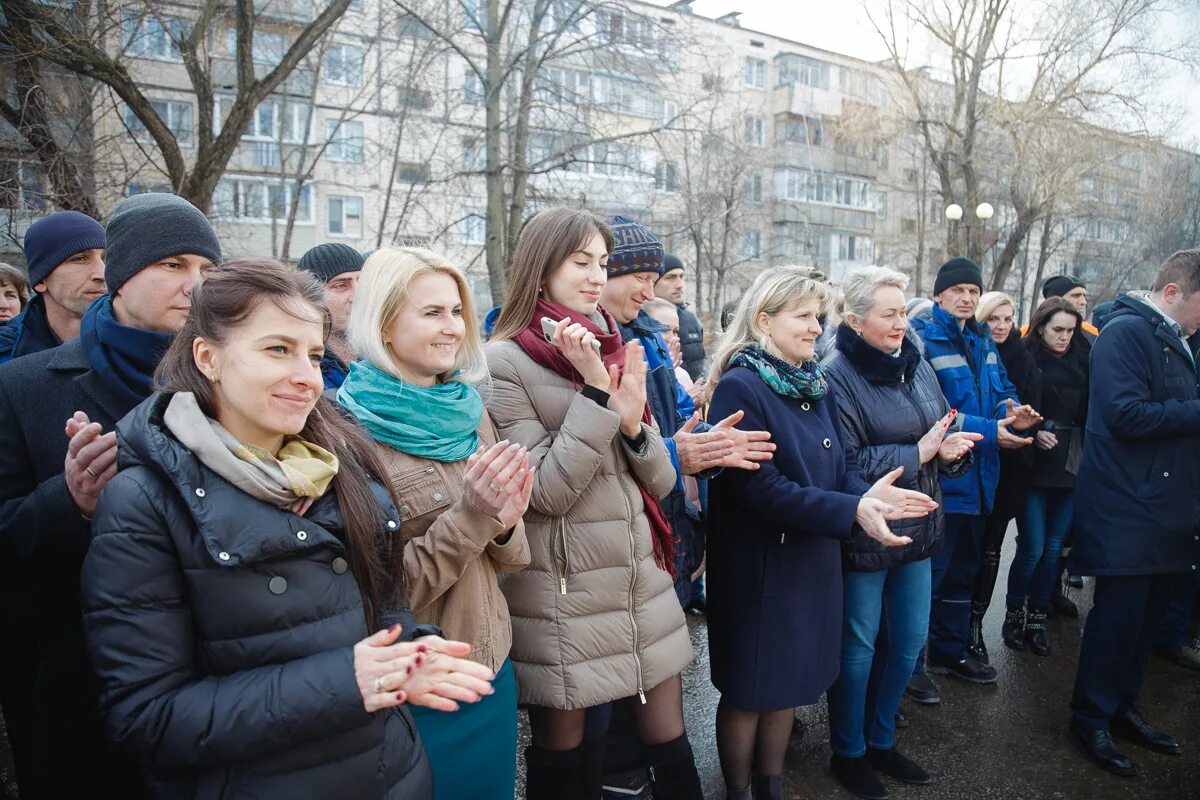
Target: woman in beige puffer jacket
595 618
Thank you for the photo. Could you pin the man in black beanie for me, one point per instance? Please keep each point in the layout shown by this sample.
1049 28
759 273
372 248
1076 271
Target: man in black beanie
55 458
1074 291
974 382
337 266
65 256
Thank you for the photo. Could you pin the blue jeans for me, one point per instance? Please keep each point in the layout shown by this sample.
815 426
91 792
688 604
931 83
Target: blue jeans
903 595
1042 527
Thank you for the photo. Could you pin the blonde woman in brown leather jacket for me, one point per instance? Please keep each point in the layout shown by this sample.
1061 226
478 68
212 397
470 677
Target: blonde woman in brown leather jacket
461 493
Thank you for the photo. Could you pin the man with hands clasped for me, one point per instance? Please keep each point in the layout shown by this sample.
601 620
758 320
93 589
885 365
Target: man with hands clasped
974 382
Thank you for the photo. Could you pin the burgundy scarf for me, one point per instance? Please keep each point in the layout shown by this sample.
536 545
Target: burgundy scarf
612 353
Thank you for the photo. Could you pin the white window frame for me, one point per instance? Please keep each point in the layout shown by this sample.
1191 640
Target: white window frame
755 73
344 215
755 131
753 252
666 177
474 227
169 111
752 188
240 187
151 37
267 47
338 77
343 142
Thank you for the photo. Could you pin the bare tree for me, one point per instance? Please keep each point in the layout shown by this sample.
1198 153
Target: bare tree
98 50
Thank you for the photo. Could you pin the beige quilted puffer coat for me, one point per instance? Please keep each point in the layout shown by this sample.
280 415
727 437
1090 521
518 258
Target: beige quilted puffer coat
594 618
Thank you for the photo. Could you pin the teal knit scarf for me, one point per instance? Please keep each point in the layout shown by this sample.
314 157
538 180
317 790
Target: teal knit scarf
439 422
804 382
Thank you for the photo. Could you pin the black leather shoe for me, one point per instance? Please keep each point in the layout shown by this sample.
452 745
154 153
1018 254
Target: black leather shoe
857 776
1132 727
1035 632
922 690
975 643
1098 746
896 765
1063 606
1013 629
967 668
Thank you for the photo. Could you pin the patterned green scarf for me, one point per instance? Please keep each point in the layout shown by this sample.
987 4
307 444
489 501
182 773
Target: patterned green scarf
804 382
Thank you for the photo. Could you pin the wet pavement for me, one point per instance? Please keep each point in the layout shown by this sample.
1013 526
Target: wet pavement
1002 742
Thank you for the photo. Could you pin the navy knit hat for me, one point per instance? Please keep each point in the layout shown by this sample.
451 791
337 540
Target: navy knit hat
1059 285
955 271
327 261
635 248
146 228
52 240
670 262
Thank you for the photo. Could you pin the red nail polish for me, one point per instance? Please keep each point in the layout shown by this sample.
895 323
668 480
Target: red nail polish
394 629
401 696
410 669
422 648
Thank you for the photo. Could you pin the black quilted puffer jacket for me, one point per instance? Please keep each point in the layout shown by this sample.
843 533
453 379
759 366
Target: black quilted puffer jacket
221 631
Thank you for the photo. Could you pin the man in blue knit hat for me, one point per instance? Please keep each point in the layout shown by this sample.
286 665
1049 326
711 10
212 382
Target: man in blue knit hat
65 254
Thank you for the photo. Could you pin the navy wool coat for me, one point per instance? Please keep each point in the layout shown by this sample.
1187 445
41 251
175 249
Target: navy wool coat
774 565
1137 507
222 632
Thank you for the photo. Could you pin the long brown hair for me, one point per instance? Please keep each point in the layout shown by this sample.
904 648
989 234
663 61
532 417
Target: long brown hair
225 299
1042 316
547 239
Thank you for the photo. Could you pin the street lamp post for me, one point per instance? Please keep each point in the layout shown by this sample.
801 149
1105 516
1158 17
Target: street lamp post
983 212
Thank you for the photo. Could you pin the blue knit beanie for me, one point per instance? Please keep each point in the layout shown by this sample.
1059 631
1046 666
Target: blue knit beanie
52 240
635 248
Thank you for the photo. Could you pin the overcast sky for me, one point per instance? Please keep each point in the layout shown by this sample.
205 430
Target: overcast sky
841 26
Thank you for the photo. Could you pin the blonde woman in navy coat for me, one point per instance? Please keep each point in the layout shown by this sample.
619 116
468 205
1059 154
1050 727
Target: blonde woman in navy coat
775 573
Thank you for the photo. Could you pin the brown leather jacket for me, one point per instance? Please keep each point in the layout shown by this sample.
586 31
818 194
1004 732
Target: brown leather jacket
455 552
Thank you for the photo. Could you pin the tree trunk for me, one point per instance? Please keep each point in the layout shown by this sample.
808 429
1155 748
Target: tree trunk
492 84
1025 221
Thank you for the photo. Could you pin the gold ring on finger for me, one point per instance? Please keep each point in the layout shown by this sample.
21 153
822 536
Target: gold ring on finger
88 470
493 486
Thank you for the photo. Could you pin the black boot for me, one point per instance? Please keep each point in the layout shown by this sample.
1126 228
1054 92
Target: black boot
1060 604
975 644
1013 631
672 768
1035 632
592 755
894 764
768 787
858 777
554 774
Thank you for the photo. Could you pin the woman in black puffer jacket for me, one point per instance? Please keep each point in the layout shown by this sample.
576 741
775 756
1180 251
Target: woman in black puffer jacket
894 416
235 572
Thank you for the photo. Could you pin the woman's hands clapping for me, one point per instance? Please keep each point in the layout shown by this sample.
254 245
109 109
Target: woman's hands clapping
885 501
499 482
432 672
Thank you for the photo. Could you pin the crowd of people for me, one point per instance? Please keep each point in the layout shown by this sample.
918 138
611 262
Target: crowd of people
320 531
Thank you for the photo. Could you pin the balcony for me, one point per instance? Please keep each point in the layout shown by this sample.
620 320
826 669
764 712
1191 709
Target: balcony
301 81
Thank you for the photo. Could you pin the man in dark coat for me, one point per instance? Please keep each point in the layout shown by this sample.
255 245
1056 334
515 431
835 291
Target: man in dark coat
58 450
691 332
65 255
337 267
1138 506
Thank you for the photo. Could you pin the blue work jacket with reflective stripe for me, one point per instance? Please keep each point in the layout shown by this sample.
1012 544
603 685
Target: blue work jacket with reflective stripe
973 378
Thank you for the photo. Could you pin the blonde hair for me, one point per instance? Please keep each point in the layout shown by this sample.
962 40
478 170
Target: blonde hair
858 290
772 291
988 304
382 291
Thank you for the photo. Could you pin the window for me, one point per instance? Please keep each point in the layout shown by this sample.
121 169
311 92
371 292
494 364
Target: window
623 27
343 216
801 69
473 14
153 37
756 73
665 178
355 5
268 48
826 188
175 115
474 227
409 25
881 201
624 95
253 199
853 247
756 131
752 245
344 65
618 160
409 96
473 89
412 172
558 86
752 188
667 113
474 155
21 186
274 120
345 140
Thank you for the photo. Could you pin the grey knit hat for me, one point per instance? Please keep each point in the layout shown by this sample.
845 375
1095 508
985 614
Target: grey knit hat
147 228
327 261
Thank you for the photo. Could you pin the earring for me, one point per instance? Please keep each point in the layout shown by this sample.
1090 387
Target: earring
859 333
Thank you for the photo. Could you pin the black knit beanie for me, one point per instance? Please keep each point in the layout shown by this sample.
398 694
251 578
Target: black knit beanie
1059 285
327 261
955 271
146 228
670 262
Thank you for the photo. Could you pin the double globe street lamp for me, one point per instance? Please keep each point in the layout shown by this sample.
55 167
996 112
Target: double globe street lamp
983 212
